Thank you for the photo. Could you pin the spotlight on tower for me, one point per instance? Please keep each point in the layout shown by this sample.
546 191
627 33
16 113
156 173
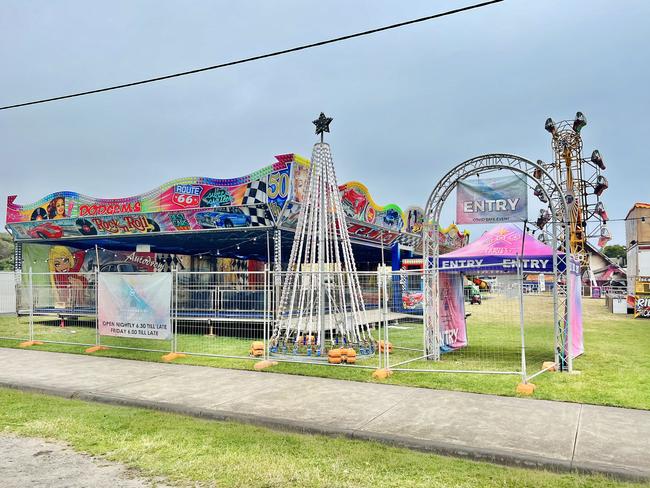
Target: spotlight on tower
539 193
579 122
543 219
605 236
550 125
597 159
601 185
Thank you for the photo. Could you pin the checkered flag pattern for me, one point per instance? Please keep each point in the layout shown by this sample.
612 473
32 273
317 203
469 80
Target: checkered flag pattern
259 214
410 240
255 193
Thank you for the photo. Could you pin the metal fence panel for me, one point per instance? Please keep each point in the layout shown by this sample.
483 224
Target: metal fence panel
12 325
221 313
229 314
491 341
63 307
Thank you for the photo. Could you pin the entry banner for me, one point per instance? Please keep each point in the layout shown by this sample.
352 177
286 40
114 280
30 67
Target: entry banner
492 200
136 305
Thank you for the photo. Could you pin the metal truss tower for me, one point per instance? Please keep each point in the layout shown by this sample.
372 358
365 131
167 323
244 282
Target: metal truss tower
582 183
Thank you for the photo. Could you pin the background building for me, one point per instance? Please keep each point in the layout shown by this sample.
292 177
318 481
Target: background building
637 235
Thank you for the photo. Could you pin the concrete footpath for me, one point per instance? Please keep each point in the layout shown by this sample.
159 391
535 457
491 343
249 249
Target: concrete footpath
527 432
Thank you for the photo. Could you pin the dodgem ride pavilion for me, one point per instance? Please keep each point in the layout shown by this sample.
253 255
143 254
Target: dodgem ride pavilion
205 224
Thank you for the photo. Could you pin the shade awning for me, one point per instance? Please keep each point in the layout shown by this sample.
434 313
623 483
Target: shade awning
499 250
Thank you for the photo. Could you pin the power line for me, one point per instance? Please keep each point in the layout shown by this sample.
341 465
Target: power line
256 58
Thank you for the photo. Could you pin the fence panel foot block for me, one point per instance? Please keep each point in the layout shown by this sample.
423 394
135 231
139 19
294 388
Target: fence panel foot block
30 343
549 366
173 355
93 349
525 388
382 374
264 364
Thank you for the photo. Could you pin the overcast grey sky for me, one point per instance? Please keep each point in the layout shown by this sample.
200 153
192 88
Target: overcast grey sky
407 104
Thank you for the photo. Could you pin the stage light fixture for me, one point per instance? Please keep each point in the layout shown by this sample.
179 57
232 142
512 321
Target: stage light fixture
539 193
550 125
597 159
543 219
601 185
579 122
600 210
605 236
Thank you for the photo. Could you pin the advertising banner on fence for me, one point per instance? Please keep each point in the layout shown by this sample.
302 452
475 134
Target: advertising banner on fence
453 328
136 305
492 200
642 306
575 318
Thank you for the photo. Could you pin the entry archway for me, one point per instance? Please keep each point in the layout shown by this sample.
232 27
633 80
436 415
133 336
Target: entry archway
544 183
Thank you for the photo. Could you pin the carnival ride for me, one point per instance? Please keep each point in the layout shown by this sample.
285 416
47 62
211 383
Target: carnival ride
583 184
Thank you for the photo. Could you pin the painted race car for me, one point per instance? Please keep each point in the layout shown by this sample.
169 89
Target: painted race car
226 217
46 231
355 200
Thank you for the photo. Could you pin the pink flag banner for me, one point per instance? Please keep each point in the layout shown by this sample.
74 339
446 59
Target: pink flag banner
575 316
453 329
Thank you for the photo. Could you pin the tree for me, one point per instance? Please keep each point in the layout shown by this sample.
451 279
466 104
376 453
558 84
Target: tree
6 252
615 251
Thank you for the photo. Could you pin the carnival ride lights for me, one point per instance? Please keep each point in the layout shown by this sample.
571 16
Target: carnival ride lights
581 181
605 236
321 312
579 122
543 218
539 193
597 159
601 185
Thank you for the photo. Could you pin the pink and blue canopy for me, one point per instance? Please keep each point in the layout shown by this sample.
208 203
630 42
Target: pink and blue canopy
499 250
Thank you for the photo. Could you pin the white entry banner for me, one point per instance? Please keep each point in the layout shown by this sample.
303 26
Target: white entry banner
492 200
136 305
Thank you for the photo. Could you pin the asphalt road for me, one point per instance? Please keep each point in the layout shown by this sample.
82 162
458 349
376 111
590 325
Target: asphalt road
29 462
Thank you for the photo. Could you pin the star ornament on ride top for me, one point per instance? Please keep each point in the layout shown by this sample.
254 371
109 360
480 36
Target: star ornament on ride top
322 124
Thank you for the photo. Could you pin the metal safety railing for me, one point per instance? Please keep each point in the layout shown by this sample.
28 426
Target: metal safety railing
508 329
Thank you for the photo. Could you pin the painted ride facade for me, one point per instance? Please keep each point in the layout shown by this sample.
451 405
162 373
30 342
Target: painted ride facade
206 224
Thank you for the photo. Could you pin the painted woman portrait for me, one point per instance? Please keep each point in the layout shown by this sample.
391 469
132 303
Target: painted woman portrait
56 208
64 266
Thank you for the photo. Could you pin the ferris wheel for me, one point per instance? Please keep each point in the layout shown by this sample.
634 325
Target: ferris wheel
582 182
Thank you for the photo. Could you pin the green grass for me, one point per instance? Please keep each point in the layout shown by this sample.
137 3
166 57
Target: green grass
615 369
188 450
